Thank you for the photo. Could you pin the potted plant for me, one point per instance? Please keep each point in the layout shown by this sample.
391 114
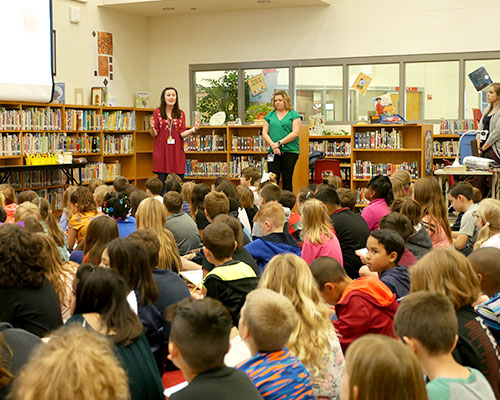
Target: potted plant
257 112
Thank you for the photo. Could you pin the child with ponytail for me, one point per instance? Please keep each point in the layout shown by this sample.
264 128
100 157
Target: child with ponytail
488 218
379 194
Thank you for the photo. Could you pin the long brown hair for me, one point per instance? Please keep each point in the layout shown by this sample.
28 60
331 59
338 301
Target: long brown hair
83 199
496 87
100 232
430 196
176 112
5 375
382 368
52 226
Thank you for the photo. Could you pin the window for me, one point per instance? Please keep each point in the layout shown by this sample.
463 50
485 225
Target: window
385 82
432 90
473 98
217 91
319 89
260 85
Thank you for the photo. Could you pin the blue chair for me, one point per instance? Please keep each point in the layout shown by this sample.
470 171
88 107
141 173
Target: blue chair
464 148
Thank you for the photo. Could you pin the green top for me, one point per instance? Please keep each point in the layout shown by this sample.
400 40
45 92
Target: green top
474 387
278 129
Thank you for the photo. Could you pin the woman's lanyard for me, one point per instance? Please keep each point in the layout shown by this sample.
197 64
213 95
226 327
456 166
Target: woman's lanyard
170 139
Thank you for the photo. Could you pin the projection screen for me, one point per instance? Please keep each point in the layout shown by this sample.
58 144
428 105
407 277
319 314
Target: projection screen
26 51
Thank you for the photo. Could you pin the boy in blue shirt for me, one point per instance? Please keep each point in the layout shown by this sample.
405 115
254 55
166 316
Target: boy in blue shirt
266 322
385 248
427 323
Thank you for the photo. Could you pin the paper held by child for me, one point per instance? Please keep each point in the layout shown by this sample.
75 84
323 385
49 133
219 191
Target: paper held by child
193 276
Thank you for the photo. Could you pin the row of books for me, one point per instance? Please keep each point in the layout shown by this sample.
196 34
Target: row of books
331 149
360 196
99 170
118 120
248 143
10 119
118 144
53 196
205 143
445 148
58 142
195 168
83 120
366 169
39 179
457 126
10 144
378 139
41 118
345 174
238 163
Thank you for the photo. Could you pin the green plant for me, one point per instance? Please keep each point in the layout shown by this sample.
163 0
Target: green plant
256 109
220 95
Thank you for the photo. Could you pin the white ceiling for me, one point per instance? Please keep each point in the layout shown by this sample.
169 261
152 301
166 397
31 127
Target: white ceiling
154 8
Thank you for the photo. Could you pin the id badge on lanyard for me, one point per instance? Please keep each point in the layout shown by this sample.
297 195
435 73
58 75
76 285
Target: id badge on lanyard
170 139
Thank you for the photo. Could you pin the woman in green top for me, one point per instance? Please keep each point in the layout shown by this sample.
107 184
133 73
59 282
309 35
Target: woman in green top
101 304
281 133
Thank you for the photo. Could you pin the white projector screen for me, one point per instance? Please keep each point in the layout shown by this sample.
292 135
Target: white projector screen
26 55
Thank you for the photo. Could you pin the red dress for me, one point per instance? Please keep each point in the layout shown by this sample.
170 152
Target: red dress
169 158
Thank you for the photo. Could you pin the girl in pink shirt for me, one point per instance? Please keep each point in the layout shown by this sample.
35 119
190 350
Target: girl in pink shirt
427 192
318 233
379 194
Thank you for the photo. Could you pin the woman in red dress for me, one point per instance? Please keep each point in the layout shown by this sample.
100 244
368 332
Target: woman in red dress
168 127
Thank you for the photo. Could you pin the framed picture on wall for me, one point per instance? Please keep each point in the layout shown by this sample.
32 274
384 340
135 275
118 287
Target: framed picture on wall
97 96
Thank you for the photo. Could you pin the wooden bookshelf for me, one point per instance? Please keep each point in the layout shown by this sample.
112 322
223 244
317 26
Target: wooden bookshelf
336 147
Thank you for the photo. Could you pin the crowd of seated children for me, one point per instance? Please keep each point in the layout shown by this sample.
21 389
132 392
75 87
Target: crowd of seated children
287 200
117 206
426 322
488 221
250 178
447 271
350 228
28 299
419 242
461 199
76 364
223 185
135 199
476 198
83 209
120 184
152 215
180 224
335 181
198 194
154 187
428 193
26 195
485 263
174 183
246 207
319 235
101 305
266 322
313 340
362 306
199 340
26 210
381 368
271 220
10 202
385 249
100 232
379 193
269 192
100 193
230 280
186 192
401 224
66 209
347 198
401 183
171 289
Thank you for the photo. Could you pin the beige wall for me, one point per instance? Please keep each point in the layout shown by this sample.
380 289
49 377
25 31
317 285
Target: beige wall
347 28
75 50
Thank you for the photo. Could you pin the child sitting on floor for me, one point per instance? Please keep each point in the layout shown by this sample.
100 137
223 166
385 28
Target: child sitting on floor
379 194
266 323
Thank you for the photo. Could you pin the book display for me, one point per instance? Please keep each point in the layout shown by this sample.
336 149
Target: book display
445 143
114 140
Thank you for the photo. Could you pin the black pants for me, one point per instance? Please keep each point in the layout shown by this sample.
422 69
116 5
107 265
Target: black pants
162 176
284 165
482 182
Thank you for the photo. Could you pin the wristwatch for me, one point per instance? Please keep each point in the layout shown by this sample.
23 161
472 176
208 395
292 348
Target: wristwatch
279 143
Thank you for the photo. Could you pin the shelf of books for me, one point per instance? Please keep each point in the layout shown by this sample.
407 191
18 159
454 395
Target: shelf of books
114 140
445 143
381 149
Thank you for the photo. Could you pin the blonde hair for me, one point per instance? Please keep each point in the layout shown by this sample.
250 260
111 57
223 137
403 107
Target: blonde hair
334 180
65 201
489 211
427 192
25 210
401 180
316 224
272 212
8 193
382 368
77 364
496 87
151 214
245 197
286 98
100 193
186 190
290 276
51 224
2 200
446 271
